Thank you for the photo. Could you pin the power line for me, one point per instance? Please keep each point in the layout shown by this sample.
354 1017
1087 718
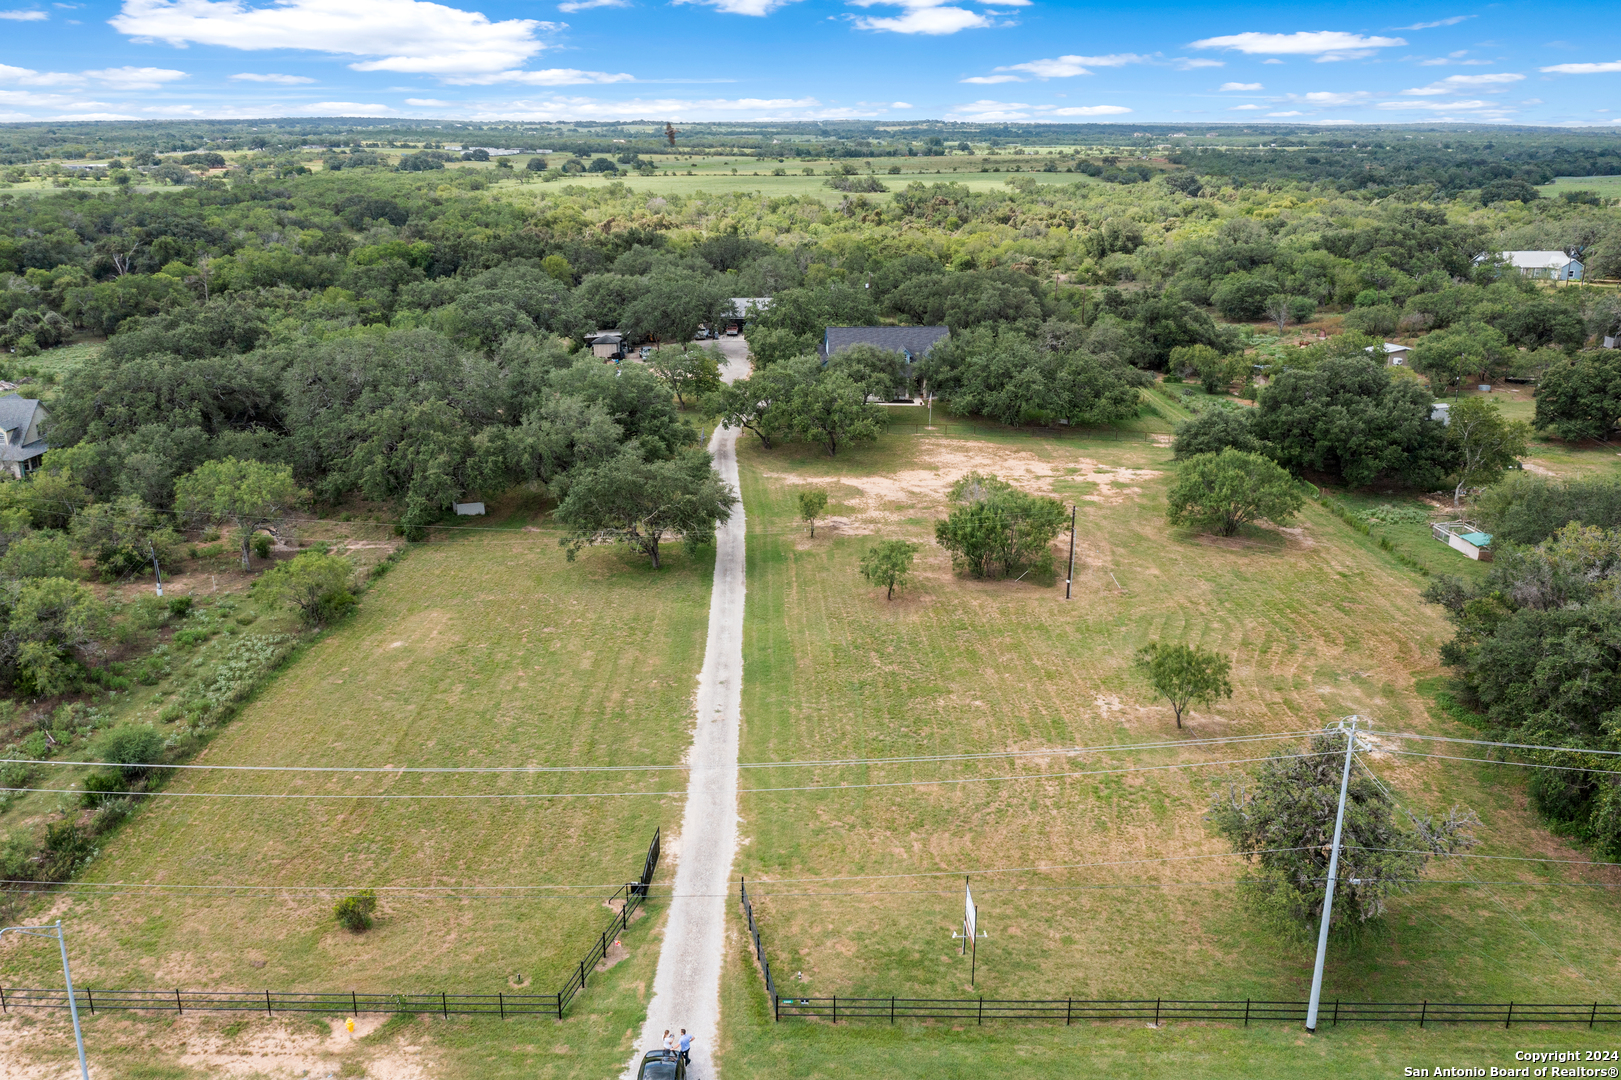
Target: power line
1504 745
627 794
1505 761
838 762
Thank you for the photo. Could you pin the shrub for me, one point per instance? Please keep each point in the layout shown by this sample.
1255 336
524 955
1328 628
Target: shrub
1220 492
354 912
135 748
102 785
1001 531
315 584
179 607
261 545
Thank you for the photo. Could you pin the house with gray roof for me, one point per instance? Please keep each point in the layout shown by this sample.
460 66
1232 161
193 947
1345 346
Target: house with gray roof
912 342
22 434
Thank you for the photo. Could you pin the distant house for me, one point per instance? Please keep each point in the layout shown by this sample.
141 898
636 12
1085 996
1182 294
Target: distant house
912 342
609 345
22 427
1395 355
1548 265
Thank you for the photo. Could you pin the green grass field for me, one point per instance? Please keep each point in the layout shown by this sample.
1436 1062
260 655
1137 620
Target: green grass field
1607 186
489 650
1320 623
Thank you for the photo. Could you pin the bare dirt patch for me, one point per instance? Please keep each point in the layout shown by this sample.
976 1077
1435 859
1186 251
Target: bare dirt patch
911 489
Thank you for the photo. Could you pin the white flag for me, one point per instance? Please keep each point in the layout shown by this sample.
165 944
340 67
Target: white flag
968 919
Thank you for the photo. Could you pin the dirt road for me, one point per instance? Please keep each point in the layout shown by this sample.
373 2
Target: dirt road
686 987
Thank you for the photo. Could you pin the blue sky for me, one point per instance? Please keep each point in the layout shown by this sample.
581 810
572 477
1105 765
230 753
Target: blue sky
1175 62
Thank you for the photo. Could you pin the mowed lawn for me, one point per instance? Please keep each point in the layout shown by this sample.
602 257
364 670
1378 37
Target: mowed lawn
488 650
859 891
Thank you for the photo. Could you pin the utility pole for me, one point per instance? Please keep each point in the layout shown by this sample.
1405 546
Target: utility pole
156 569
1071 579
1333 873
67 978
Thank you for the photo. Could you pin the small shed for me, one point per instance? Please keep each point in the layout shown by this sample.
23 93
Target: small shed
608 345
1395 355
745 308
1464 536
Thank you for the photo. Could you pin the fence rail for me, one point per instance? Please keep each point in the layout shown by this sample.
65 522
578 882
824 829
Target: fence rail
629 897
1061 431
759 949
1158 1010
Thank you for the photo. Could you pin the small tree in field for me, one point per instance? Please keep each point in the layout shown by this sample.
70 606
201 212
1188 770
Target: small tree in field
1219 492
1185 675
1285 817
354 912
888 564
314 584
812 502
1484 443
249 494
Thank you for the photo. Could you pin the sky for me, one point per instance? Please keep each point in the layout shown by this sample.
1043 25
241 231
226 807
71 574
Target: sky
685 60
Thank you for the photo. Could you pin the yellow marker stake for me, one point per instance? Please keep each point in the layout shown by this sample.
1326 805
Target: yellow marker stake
350 1024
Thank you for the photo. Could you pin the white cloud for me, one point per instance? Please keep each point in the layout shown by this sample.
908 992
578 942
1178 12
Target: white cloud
95 116
1272 61
344 108
901 105
586 5
1244 108
1325 45
1058 67
933 19
121 78
987 111
405 35
740 7
1584 69
25 16
557 108
1452 84
429 103
134 78
991 80
1092 110
1241 86
30 77
546 77
1332 98
1444 106
280 80
1454 21
1291 112
46 101
1184 64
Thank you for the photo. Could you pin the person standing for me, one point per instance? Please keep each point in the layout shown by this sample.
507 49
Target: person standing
669 1040
685 1045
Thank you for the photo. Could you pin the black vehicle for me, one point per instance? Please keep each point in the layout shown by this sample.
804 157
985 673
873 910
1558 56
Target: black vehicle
662 1065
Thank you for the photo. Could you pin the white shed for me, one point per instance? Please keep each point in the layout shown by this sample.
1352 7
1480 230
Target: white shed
1548 265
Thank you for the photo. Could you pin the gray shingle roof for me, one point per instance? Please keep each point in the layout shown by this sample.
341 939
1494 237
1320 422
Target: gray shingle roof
914 341
16 412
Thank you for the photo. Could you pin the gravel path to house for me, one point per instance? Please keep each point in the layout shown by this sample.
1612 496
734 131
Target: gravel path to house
686 987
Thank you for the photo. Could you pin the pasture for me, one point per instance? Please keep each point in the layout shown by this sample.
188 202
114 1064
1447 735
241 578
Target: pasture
1110 884
485 651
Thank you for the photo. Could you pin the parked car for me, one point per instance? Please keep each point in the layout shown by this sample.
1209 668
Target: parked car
647 350
662 1065
731 331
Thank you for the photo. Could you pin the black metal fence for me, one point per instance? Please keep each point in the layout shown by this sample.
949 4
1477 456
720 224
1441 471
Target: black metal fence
1158 1010
1063 431
759 949
628 898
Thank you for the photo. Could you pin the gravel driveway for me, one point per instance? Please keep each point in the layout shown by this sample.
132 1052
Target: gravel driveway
686 987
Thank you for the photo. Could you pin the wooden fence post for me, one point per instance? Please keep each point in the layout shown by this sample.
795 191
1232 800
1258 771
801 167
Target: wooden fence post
179 1011
1510 1017
1156 1012
1423 1011
3 1002
501 1003
1246 1012
1592 1017
892 1008
835 1008
1069 1010
354 1002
